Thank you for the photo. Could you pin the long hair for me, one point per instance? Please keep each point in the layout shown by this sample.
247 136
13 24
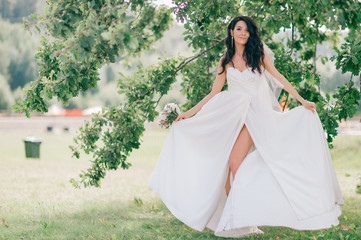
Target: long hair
253 51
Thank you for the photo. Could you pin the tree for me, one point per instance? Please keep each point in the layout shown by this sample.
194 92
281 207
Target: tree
78 38
15 10
17 51
23 8
6 98
5 10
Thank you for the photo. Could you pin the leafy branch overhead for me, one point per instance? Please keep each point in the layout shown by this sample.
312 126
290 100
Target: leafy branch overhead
79 37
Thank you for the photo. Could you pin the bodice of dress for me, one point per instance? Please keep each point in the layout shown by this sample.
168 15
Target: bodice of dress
245 81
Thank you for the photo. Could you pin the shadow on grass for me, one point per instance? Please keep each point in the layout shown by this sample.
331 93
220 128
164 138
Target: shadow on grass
138 220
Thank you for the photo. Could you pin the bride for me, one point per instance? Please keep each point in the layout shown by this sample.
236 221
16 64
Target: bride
234 161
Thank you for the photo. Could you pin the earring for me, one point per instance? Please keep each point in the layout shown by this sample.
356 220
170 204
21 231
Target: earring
232 42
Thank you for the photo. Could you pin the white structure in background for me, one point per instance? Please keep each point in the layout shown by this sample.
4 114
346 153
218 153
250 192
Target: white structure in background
350 127
55 110
90 111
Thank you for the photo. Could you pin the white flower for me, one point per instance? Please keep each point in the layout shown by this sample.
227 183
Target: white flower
171 107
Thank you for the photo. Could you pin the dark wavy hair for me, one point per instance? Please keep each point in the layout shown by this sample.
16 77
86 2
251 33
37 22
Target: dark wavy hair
253 51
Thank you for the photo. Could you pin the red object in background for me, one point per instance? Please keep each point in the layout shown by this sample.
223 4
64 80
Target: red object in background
283 102
73 113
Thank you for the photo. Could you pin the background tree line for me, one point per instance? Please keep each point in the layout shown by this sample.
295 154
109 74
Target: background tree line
17 65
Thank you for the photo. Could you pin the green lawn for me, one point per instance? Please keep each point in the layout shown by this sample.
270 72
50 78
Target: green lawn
347 153
38 202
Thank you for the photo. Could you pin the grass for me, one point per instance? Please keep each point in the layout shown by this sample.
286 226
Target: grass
347 153
38 202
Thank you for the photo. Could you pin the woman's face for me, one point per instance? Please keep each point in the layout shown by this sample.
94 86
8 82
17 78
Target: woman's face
240 32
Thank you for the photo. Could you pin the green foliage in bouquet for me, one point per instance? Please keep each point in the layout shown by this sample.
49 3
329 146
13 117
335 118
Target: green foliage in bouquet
169 114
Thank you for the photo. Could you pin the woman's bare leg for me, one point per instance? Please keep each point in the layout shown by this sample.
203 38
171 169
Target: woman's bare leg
228 183
240 150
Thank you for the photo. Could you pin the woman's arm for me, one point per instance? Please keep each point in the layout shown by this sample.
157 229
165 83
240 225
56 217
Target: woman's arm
216 88
286 84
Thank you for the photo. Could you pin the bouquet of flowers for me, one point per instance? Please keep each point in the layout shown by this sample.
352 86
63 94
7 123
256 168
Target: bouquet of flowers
169 114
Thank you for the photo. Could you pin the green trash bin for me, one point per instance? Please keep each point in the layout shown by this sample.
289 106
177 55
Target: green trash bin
32 147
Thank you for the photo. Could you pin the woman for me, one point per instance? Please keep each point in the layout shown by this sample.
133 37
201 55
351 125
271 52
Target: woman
234 161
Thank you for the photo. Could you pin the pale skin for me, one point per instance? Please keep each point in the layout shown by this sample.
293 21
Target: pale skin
244 141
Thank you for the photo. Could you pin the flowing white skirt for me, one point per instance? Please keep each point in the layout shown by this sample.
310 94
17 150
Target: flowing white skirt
287 180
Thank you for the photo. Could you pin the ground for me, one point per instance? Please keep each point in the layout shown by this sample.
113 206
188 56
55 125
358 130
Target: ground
38 202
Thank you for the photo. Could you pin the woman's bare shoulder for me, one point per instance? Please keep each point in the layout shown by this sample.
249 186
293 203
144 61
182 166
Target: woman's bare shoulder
227 65
221 60
220 63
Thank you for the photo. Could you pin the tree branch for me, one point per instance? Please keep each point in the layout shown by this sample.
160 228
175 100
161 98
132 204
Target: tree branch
184 63
348 88
190 59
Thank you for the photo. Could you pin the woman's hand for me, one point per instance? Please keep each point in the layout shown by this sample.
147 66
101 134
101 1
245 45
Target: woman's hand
184 115
309 105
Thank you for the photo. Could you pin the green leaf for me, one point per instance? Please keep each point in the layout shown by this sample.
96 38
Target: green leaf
354 60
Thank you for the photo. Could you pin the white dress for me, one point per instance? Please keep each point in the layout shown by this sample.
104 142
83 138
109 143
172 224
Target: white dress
287 178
